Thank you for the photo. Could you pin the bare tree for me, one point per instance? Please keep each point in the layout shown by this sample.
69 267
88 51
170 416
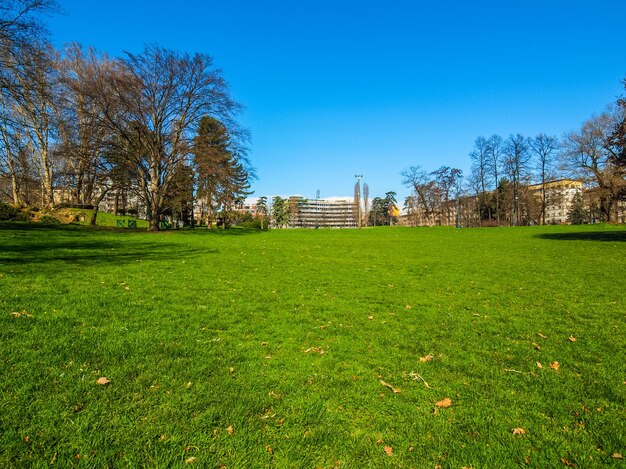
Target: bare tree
589 154
153 102
481 173
425 190
516 164
545 149
617 138
21 28
495 152
83 137
34 106
446 181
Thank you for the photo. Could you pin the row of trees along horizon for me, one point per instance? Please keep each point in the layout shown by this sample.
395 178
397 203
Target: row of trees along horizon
161 126
498 188
77 125
507 175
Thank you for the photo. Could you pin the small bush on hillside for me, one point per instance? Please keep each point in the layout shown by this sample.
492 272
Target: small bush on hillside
49 220
8 212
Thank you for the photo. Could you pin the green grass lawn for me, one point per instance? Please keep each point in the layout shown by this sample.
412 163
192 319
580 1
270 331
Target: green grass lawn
270 349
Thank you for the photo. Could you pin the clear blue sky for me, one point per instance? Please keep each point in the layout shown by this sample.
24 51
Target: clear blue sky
336 88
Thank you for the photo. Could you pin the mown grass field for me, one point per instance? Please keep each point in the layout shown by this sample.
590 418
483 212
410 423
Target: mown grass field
295 348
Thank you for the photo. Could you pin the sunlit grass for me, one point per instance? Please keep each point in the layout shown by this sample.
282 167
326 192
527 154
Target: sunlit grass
252 349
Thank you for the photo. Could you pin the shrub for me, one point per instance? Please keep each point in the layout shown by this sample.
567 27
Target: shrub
254 224
49 219
8 212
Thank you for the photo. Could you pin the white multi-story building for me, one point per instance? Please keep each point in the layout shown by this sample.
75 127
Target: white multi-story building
331 212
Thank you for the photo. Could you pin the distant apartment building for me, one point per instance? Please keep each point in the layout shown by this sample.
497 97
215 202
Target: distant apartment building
333 212
559 196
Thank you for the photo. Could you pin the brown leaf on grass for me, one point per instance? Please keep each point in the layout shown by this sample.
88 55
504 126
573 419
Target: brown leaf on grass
263 344
190 460
411 449
572 338
426 358
232 371
387 385
541 335
163 437
103 381
407 307
379 441
539 365
370 317
26 438
555 366
388 450
230 430
319 350
537 346
519 431
444 403
269 449
281 422
16 314
567 463
617 456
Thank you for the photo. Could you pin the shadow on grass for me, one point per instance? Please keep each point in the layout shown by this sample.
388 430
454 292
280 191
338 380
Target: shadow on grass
57 243
614 236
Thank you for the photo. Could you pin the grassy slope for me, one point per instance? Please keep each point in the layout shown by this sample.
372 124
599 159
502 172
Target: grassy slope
166 316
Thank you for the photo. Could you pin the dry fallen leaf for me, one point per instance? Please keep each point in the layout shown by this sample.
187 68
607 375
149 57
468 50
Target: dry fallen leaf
103 381
443 403
411 449
537 346
379 441
408 306
269 449
163 437
27 439
426 358
388 450
263 344
370 317
21 313
567 463
232 371
555 366
190 460
280 422
572 338
519 431
387 385
541 335
230 430
539 365
617 456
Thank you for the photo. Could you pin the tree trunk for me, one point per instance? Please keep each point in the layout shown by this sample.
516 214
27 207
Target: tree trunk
94 216
154 214
96 207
